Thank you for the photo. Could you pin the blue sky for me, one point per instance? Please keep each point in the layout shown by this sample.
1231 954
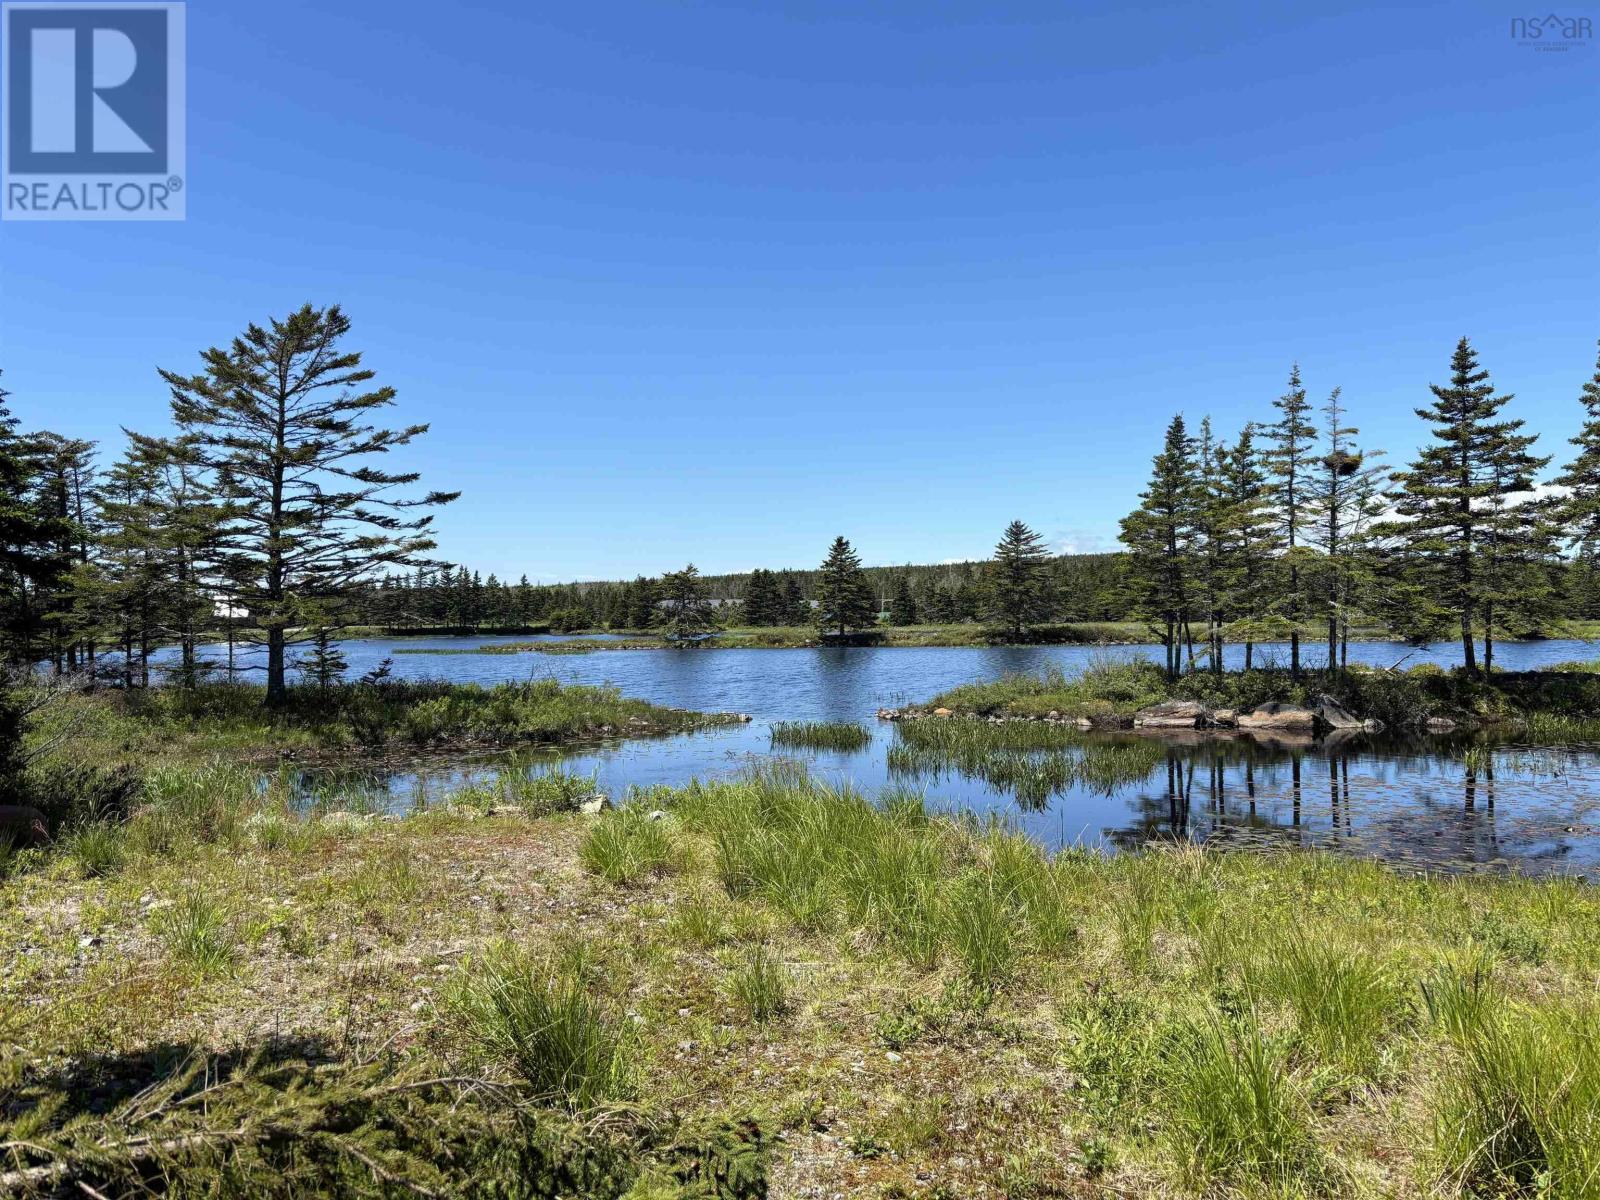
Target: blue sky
714 282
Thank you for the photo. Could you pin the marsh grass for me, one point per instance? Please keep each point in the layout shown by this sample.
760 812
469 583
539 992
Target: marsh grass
1345 1001
1236 1112
821 735
197 932
760 983
1518 1108
98 849
537 1016
700 922
625 846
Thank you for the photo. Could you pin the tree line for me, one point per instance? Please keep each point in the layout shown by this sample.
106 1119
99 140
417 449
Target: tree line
1295 524
262 516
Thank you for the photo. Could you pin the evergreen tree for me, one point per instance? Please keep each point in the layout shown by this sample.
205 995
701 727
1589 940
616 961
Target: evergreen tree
30 540
1020 591
902 604
1341 495
1160 540
280 418
762 601
1459 528
689 613
795 609
1249 539
1289 457
324 663
643 594
844 597
1579 509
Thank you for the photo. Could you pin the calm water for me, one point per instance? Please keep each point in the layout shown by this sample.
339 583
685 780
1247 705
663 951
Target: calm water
1460 804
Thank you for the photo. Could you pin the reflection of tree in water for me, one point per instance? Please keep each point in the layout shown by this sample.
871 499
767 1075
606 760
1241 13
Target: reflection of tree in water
1238 792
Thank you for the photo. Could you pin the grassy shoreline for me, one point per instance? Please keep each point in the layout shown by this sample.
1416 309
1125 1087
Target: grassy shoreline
884 1001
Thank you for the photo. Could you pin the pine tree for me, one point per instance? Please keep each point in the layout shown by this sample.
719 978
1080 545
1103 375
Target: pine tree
1019 592
795 609
30 540
1289 458
324 663
762 601
1459 528
844 597
279 417
1579 510
643 594
1160 540
1341 494
902 604
689 614
1250 539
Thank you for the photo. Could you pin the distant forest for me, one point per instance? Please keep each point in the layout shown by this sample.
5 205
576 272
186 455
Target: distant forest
1088 587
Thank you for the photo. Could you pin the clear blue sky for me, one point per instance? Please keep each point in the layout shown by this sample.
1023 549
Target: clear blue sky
712 282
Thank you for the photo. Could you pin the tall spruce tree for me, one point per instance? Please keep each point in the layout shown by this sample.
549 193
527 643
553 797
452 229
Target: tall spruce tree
1019 592
1250 540
1289 455
1160 536
1454 500
1341 495
688 612
279 417
795 610
762 601
902 603
844 597
1579 510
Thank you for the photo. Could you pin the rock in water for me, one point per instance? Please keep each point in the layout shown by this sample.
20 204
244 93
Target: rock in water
1279 716
1171 714
1333 714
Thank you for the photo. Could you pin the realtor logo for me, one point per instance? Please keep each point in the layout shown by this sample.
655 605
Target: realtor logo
93 124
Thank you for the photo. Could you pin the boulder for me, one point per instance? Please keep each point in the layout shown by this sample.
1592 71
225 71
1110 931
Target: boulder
1276 715
23 825
1225 718
1334 715
594 805
1439 725
1373 725
943 712
1171 714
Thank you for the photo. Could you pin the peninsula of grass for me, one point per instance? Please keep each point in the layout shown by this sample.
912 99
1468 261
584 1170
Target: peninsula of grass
171 723
1563 701
763 984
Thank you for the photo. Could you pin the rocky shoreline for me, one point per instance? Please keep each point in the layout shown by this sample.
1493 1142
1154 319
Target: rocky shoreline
1323 716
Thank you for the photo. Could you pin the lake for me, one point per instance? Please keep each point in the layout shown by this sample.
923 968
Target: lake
1460 803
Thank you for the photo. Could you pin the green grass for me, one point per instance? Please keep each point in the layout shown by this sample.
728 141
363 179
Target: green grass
1238 1114
821 735
231 720
760 984
197 932
625 846
538 1018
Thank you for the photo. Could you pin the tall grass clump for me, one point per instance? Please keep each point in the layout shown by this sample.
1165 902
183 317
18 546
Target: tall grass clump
760 984
540 1020
198 933
98 849
1344 1002
1236 1114
187 806
821 735
625 846
1517 1111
